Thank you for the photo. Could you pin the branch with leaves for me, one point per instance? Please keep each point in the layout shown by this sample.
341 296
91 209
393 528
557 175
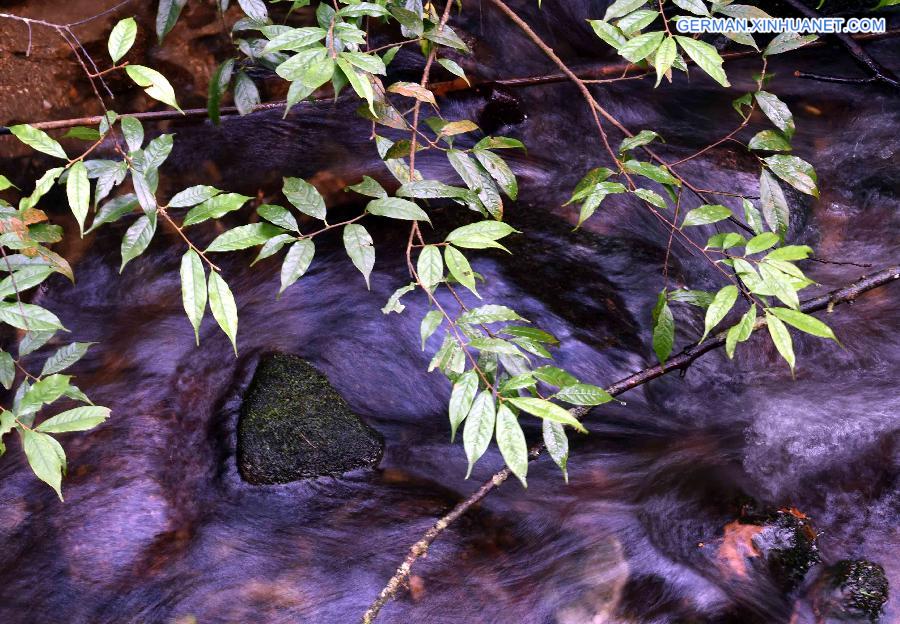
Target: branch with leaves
846 294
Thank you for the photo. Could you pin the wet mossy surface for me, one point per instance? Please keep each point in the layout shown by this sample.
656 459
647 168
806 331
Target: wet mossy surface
787 543
858 590
294 425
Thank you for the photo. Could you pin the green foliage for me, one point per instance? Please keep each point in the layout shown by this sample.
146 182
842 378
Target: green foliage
496 361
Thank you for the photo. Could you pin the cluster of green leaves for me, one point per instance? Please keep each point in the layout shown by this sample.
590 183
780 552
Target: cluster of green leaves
25 229
632 28
331 53
762 280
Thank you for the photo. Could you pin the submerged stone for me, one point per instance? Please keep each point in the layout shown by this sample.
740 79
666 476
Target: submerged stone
856 589
294 425
786 542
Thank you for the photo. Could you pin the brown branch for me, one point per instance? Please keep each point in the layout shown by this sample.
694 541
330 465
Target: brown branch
878 71
682 361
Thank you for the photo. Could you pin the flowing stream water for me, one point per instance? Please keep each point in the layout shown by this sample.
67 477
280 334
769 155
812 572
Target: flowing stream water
158 526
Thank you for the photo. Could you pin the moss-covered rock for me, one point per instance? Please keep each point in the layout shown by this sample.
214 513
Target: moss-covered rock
294 425
786 541
855 590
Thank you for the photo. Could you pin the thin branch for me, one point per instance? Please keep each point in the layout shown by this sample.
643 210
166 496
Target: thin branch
878 71
682 361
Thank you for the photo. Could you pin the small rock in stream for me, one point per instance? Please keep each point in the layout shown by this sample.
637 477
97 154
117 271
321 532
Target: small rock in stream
294 425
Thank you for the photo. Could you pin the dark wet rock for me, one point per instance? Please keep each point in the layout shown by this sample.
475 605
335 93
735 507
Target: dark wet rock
854 590
294 425
786 541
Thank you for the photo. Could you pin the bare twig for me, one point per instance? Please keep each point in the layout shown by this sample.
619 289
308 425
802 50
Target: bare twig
879 71
682 361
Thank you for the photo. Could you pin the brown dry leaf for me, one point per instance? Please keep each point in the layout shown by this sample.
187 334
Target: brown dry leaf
737 546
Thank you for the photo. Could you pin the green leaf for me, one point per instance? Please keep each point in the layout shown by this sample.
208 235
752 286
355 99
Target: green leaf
296 262
706 57
511 440
620 8
255 10
393 303
137 238
430 266
642 138
370 63
304 197
583 394
479 428
761 242
725 240
488 314
218 84
478 180
612 35
397 208
244 236
663 328
45 456
7 370
46 390
359 81
454 68
144 194
65 357
557 445
769 140
166 17
358 244
490 230
460 268
791 252
431 189
697 7
774 206
81 133
492 142
554 376
193 290
719 308
779 284
223 307
781 338
370 188
752 216
29 317
657 174
461 398
294 39
804 322
446 37
29 276
499 171
642 46
651 198
547 410
777 112
246 95
38 140
78 192
34 340
786 41
795 171
278 216
77 419
213 208
273 246
156 85
699 298
741 331
530 333
637 21
195 195
122 37
430 323
705 215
